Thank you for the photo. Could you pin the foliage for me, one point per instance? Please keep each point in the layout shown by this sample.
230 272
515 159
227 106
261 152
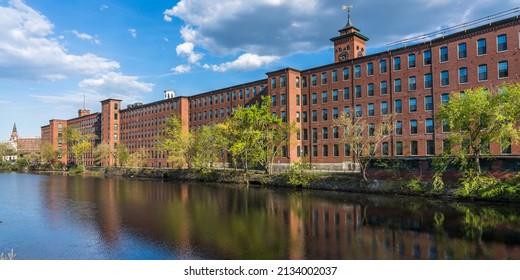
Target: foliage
79 169
482 186
208 143
80 144
297 175
102 153
122 155
364 138
138 159
479 117
414 186
9 256
176 143
47 153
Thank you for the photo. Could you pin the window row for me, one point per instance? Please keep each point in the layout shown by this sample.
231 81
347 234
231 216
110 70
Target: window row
227 97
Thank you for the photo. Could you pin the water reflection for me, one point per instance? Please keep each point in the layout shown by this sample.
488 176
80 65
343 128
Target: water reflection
185 221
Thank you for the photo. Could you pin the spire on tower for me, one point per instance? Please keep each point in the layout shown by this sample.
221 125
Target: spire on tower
14 128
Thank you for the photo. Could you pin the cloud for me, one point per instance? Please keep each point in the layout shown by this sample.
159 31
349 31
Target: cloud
245 62
103 7
187 50
28 50
87 37
114 83
181 69
133 32
287 27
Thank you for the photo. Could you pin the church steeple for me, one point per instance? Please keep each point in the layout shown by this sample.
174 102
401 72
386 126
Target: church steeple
14 134
350 43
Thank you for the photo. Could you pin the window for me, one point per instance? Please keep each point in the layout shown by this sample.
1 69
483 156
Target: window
445 126
445 78
345 74
325 133
481 47
384 148
314 98
399 148
324 78
304 116
357 72
334 76
297 100
324 97
413 126
384 108
413 105
335 97
397 85
445 97
462 50
325 150
234 95
335 132
282 81
428 80
383 88
358 91
335 113
305 134
413 148
324 114
297 82
428 103
370 69
315 150
463 75
427 58
273 86
314 115
371 129
273 100
283 100
347 150
297 116
446 146
429 126
346 111
314 135
398 106
501 43
304 84
313 80
370 108
412 83
335 150
115 116
399 128
359 111
382 66
346 93
430 147
507 146
411 60
482 72
304 100
503 70
443 54
370 89
397 63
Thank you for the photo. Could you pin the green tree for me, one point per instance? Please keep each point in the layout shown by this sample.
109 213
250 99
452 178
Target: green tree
208 143
48 154
176 143
138 159
364 138
6 149
80 144
122 155
479 117
102 153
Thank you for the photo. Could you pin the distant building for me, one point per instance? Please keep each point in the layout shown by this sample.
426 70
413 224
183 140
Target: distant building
21 146
411 80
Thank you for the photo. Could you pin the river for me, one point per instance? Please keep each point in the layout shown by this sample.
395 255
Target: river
49 217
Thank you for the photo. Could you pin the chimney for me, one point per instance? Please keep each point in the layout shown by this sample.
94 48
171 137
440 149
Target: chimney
83 112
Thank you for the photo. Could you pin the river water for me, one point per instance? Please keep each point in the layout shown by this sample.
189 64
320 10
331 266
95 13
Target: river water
46 217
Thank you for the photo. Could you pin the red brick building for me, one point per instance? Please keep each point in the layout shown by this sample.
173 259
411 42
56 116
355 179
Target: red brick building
410 82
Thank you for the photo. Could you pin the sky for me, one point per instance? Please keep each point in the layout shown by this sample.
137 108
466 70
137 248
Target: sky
60 56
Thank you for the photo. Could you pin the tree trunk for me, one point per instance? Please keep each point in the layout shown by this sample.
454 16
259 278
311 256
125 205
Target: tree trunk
477 162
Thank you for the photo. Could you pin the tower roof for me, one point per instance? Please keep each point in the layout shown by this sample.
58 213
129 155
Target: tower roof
14 128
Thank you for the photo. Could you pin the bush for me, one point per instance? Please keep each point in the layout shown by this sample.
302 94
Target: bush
296 175
414 186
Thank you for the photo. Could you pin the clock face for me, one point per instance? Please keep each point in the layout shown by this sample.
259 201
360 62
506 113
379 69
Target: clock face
360 54
343 56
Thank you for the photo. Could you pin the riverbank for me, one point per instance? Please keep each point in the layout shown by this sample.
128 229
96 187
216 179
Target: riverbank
508 192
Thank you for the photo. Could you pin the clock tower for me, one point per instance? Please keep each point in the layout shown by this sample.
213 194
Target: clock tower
350 43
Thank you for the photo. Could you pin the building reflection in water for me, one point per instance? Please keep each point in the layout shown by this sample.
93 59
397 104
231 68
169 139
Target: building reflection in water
226 222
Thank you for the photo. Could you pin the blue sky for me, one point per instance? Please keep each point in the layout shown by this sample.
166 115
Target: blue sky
53 53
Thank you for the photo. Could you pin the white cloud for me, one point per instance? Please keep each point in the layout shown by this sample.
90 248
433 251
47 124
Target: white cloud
113 82
245 62
181 69
187 49
103 7
133 32
87 37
